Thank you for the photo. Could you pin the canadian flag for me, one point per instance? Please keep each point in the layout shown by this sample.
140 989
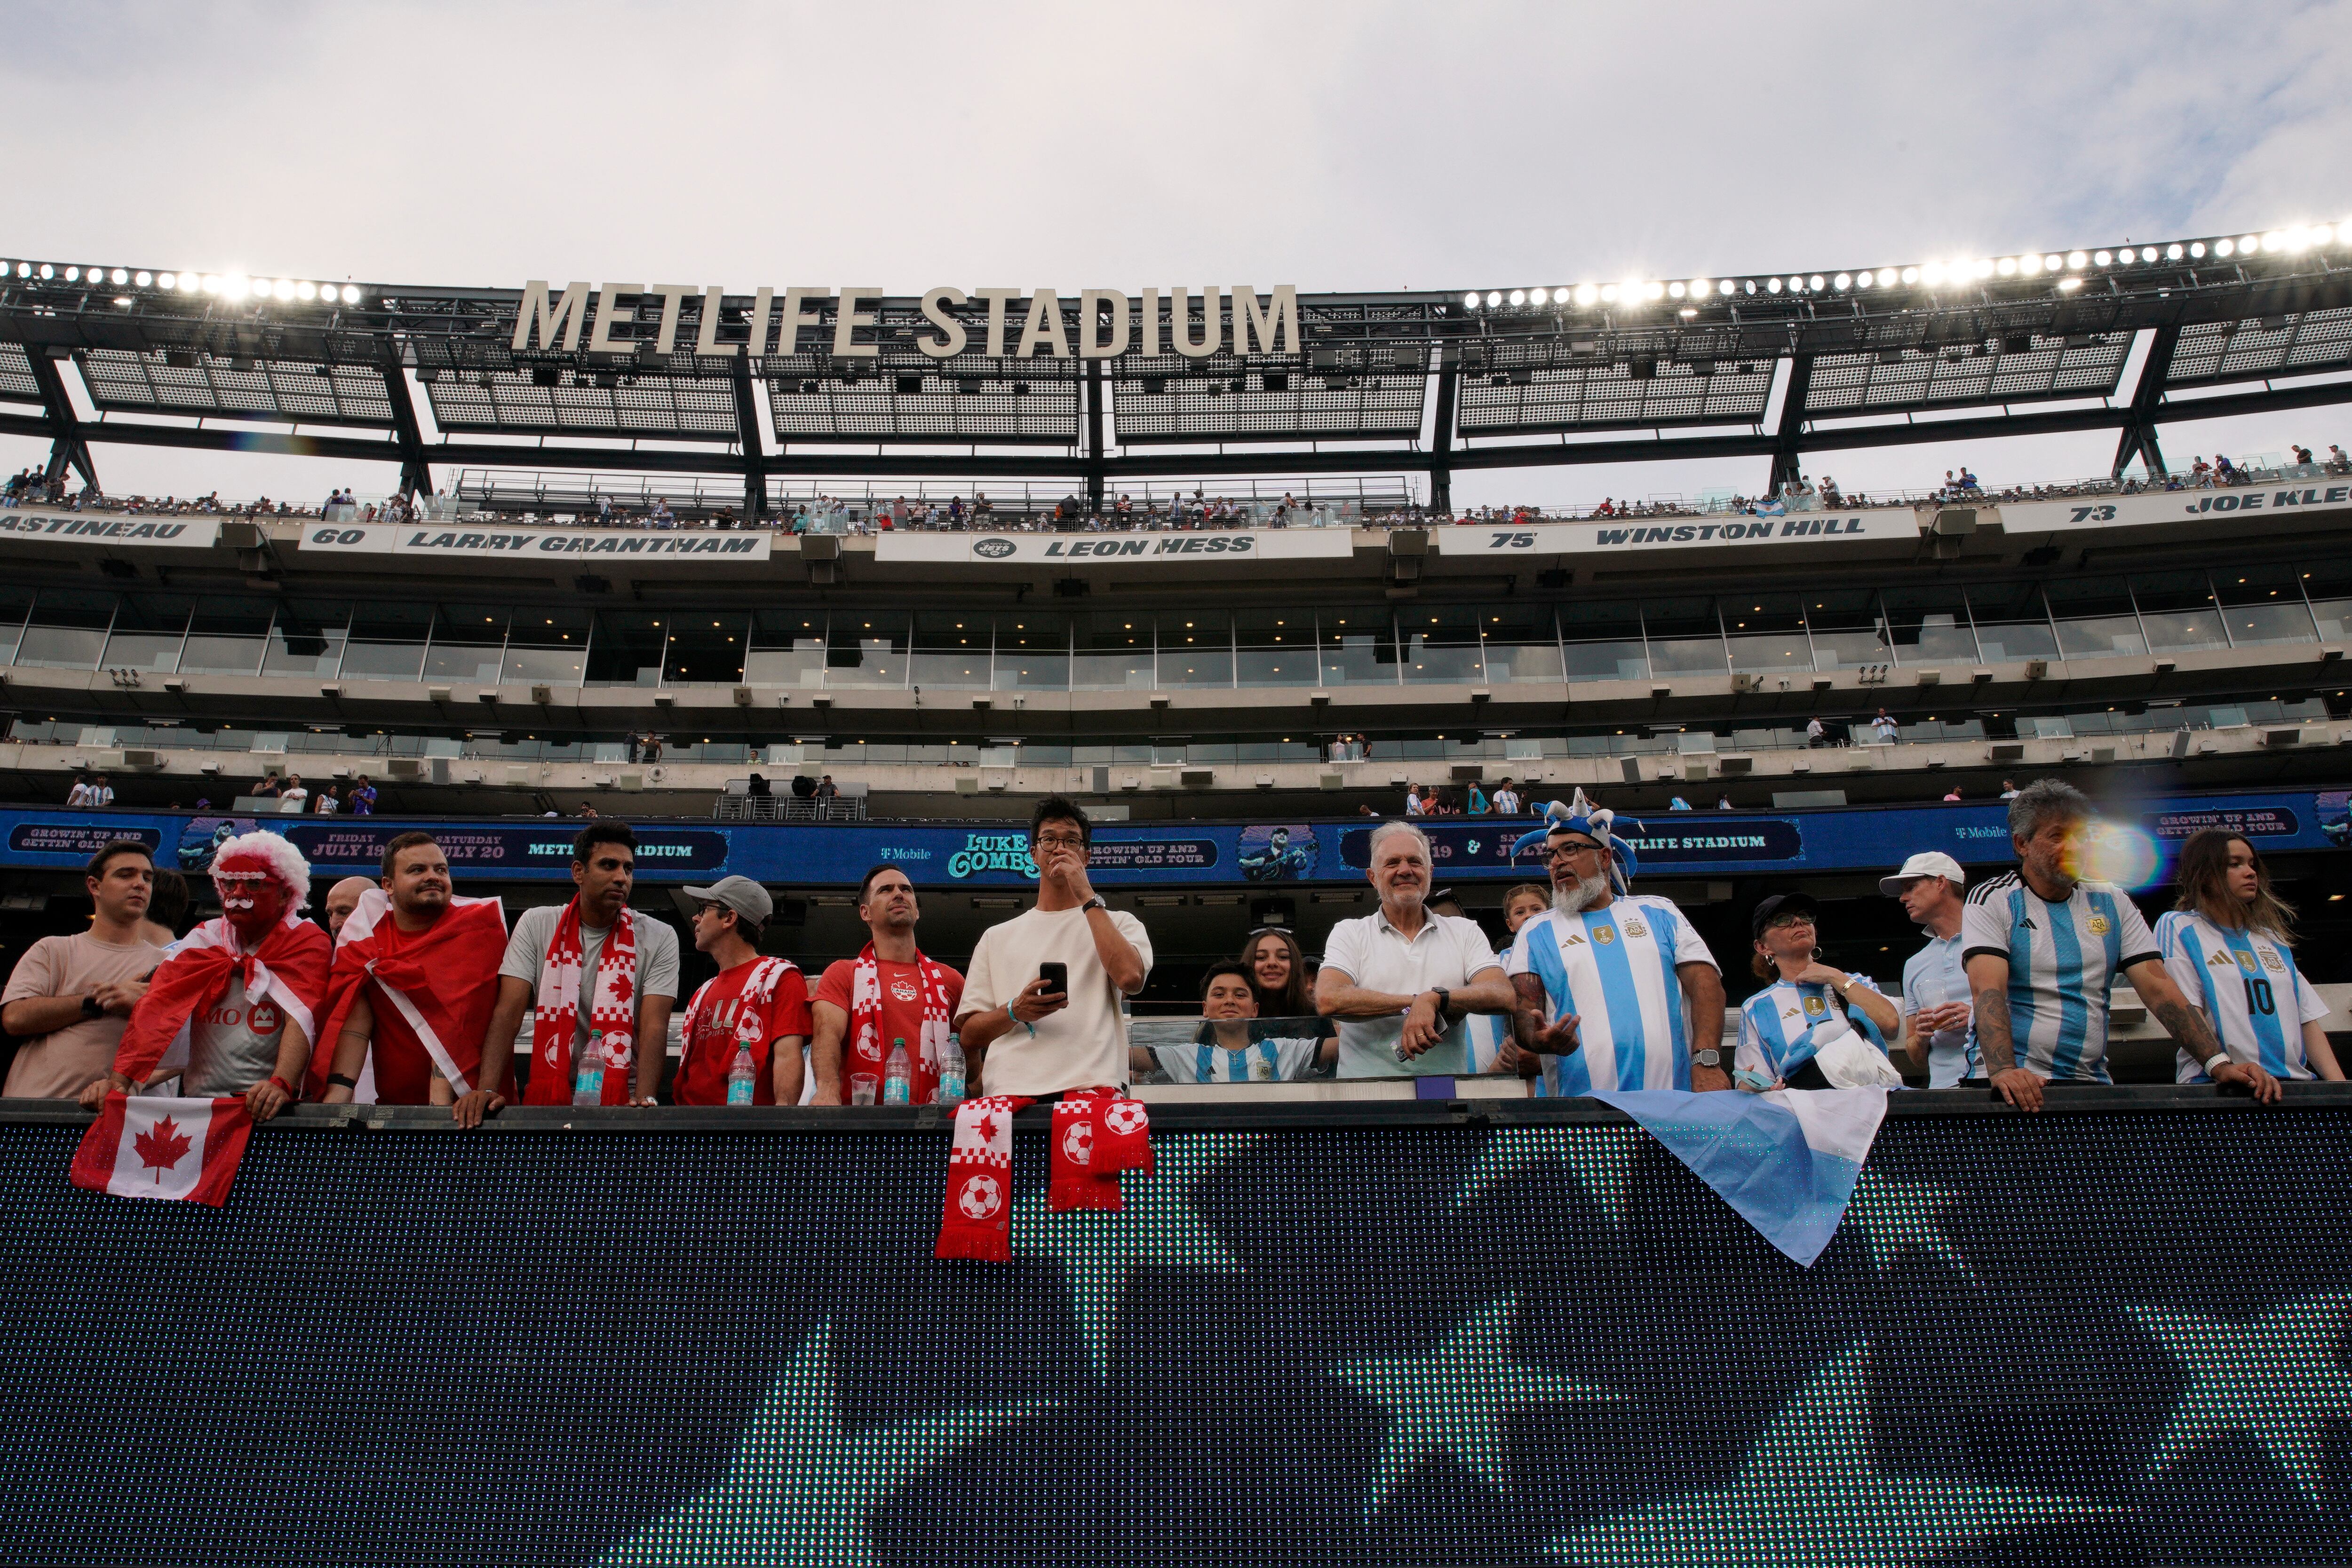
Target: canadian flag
153 1147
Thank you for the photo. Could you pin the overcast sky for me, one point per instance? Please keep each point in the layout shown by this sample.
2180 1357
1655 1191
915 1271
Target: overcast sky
1361 145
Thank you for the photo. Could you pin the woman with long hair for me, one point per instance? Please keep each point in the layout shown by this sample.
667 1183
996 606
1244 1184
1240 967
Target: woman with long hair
1277 972
2229 944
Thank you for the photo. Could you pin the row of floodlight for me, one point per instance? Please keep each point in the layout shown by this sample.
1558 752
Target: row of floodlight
2068 268
232 287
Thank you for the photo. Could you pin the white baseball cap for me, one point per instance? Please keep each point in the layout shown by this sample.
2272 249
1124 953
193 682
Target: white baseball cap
1927 862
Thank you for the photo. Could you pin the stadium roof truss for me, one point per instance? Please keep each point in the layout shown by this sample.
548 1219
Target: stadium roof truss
1352 395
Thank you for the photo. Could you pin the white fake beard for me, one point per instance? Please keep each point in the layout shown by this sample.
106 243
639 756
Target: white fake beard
1588 891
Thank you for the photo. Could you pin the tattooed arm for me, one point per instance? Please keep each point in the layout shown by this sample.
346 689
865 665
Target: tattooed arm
2194 1032
1989 985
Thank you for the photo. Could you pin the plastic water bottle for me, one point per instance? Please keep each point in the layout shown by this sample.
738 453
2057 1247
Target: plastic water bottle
951 1074
740 1077
897 1077
588 1071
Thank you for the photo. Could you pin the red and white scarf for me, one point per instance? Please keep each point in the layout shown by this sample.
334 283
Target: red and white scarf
977 1220
1097 1133
613 1009
865 1010
1097 1136
752 1004
289 968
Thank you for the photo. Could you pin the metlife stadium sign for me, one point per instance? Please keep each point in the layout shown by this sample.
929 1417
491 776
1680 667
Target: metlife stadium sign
1205 547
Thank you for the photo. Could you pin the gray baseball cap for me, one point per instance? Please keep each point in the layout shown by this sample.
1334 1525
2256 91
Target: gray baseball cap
747 898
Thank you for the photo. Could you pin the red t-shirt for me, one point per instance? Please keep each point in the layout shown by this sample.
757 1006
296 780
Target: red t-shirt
902 1019
710 1051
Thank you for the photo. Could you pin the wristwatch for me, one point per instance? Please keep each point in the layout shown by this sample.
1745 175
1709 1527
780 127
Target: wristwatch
1706 1059
1095 902
90 1008
1444 1001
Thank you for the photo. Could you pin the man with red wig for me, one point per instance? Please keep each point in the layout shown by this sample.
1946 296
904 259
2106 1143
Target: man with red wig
245 988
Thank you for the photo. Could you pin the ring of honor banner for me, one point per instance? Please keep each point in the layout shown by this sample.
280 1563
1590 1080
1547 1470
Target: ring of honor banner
2111 1334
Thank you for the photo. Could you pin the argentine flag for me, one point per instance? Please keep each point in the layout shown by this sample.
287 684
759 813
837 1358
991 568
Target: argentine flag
1787 1160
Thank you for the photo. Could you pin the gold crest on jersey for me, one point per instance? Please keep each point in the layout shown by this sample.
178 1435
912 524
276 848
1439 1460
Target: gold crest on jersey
2248 963
1604 935
1816 1007
2099 925
2273 962
1636 928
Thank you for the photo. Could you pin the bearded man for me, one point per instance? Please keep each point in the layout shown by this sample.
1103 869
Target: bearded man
245 990
1616 990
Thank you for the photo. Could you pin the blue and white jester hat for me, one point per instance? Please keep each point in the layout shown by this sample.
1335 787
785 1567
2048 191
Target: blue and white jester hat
1596 822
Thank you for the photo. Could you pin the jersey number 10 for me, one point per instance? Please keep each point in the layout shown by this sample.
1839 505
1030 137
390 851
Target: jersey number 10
2258 997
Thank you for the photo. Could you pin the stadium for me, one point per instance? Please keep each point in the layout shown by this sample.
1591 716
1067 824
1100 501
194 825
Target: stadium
1128 627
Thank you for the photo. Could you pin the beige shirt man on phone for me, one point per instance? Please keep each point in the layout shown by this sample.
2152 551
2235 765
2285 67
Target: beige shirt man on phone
1021 1032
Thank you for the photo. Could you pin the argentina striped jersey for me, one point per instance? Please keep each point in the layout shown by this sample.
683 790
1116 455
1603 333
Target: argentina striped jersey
2062 960
1614 967
2247 986
1781 1026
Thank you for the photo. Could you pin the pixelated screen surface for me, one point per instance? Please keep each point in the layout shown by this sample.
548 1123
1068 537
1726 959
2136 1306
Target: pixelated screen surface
2099 1337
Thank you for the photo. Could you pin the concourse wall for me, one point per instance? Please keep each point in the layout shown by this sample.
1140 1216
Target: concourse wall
1419 1333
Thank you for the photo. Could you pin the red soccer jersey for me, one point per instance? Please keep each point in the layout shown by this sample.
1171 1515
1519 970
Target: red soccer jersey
702 1070
902 1019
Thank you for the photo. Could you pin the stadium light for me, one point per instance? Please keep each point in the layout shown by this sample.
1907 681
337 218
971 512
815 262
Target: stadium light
1910 275
1586 294
1608 294
2077 260
2101 257
1519 297
1677 291
351 295
1772 285
2224 247
1541 297
306 291
1470 300
2068 285
1863 278
2006 266
2274 240
2250 244
73 275
118 275
2196 248
1653 291
144 278
24 269
123 300
2172 253
1494 296
48 271
189 283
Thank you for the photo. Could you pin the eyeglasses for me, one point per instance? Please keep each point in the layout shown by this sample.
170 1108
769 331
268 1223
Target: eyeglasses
1570 851
1060 840
1782 922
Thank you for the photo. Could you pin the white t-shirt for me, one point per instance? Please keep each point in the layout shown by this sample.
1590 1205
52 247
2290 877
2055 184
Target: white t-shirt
1449 950
1083 1045
295 801
535 928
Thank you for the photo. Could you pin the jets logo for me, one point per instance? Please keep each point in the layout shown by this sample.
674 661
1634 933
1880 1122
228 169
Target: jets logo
979 1197
1604 935
1636 928
994 550
1078 1143
1815 1007
2099 925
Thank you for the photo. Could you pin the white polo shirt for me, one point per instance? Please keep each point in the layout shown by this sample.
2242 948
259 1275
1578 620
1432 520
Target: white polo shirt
1448 951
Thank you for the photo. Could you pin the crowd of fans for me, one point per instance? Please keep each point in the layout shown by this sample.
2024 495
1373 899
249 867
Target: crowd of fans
828 514
411 993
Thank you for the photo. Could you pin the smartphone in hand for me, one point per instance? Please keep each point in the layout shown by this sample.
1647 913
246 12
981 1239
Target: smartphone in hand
1057 977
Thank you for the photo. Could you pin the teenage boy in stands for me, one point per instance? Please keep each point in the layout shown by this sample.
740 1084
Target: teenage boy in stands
593 974
890 991
69 997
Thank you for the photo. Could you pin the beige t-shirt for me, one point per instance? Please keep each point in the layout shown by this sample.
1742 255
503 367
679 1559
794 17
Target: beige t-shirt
1083 1045
59 1065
